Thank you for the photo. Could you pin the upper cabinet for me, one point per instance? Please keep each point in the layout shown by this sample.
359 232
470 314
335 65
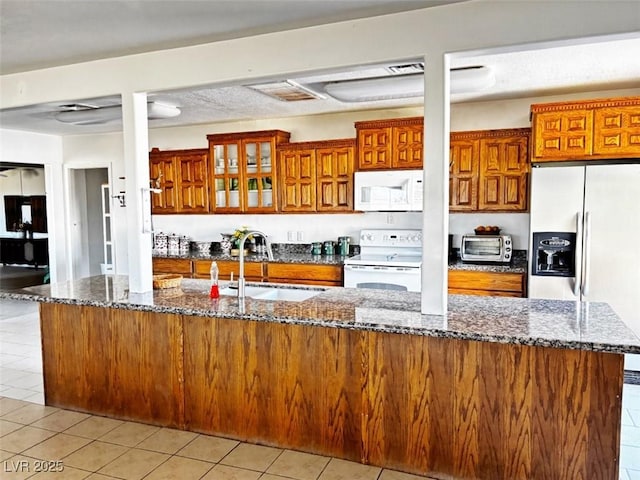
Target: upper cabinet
316 176
242 171
390 144
489 170
181 175
586 130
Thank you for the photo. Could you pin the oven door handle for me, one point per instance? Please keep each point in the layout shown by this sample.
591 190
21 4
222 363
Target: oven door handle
380 268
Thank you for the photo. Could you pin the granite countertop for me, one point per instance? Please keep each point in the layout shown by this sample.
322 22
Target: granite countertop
278 257
549 323
519 264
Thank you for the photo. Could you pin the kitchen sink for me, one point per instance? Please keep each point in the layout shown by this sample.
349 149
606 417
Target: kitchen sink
273 293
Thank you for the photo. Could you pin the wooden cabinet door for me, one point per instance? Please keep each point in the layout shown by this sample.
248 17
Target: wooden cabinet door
297 169
180 266
374 148
334 175
617 131
503 178
193 194
407 146
243 171
305 273
463 175
253 271
562 135
468 282
162 173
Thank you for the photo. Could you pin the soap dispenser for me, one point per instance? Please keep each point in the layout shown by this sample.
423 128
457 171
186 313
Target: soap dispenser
213 273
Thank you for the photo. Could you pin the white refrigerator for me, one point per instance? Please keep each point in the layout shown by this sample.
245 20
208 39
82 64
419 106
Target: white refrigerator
601 204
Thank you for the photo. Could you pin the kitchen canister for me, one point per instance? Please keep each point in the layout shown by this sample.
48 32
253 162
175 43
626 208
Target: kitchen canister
316 248
329 247
184 244
173 242
343 245
160 242
225 243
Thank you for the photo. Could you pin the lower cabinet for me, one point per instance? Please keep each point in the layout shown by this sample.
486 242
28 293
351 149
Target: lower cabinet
500 284
253 271
181 266
25 251
310 274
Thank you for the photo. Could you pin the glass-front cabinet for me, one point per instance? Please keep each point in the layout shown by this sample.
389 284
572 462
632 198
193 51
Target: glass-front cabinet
242 167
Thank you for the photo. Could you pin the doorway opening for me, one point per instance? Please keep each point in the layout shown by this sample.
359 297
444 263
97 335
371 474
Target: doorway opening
88 229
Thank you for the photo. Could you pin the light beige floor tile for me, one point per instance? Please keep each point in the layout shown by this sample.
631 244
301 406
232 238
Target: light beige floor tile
17 467
269 476
99 476
207 448
224 472
8 427
167 440
9 404
343 470
298 465
57 447
93 427
60 420
29 413
129 434
134 464
180 468
94 456
26 437
395 475
252 457
4 455
69 473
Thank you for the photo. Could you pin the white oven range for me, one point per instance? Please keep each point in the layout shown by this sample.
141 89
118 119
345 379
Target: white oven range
390 259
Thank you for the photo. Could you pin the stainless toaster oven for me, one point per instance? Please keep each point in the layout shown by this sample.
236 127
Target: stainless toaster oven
486 248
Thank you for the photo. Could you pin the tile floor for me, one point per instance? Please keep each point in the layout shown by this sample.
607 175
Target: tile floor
95 447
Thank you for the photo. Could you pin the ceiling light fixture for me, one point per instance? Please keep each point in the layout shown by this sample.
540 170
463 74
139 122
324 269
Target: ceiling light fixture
98 115
463 80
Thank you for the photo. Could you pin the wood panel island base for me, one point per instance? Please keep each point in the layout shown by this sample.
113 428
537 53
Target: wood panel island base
318 376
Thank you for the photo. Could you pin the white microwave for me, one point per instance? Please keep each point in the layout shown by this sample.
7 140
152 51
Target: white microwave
388 191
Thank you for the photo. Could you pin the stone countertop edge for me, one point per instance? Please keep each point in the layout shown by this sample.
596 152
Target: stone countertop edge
519 321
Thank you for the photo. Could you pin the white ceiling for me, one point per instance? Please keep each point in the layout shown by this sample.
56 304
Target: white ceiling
82 30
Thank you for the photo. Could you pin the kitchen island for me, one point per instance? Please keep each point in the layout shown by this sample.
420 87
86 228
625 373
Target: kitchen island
498 388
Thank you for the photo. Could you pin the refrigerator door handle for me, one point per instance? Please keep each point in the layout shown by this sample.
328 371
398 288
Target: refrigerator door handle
586 254
577 285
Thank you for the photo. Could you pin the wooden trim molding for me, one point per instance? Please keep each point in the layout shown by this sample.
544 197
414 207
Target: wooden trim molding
501 133
334 143
220 137
588 104
390 122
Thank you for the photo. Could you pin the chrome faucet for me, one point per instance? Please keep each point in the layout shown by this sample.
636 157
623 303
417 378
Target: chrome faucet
241 280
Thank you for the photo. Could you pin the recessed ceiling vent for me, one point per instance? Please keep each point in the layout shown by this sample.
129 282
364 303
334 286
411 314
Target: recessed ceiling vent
406 68
287 91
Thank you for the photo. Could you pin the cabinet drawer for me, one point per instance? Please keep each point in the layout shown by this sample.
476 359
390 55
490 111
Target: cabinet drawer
252 270
305 273
486 283
180 266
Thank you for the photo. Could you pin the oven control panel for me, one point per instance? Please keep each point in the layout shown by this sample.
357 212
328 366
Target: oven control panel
391 238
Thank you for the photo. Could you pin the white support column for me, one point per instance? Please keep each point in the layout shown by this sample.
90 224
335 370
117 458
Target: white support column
135 131
435 218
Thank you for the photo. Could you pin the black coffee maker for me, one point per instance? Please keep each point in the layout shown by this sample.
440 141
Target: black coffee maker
554 254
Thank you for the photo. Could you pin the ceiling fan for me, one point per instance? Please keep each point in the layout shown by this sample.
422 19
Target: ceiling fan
89 114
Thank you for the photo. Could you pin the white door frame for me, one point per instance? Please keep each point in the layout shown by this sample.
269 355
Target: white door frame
69 168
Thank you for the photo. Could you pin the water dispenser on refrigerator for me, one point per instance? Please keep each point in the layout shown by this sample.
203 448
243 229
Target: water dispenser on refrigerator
555 254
